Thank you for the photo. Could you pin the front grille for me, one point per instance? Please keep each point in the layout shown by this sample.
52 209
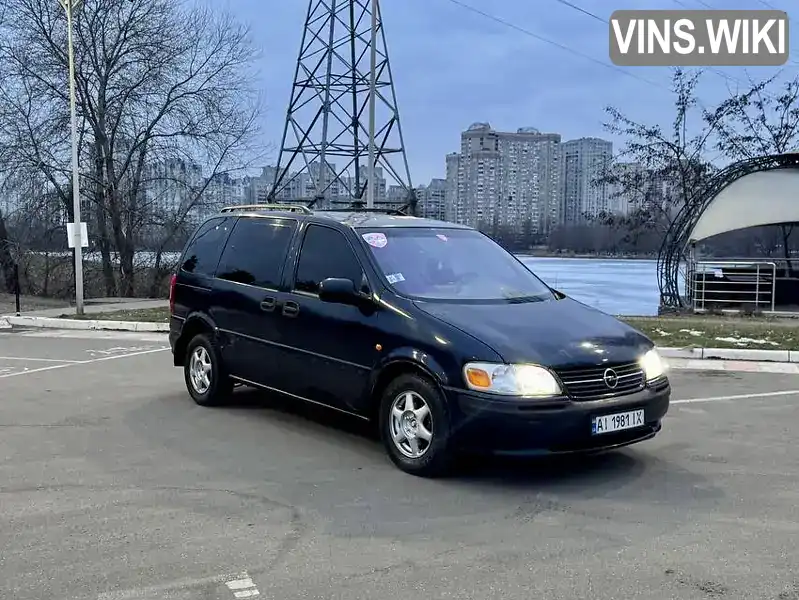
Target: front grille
591 384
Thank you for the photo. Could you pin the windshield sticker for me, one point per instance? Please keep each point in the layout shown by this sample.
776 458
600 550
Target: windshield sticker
442 237
395 278
375 240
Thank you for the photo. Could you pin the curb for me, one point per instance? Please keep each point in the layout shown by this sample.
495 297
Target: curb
81 324
783 356
733 366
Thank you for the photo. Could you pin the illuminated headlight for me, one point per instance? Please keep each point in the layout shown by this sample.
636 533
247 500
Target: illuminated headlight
511 380
652 365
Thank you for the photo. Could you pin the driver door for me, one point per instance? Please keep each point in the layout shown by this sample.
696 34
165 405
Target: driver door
331 346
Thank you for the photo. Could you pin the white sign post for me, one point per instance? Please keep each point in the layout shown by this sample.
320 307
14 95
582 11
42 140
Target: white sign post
84 235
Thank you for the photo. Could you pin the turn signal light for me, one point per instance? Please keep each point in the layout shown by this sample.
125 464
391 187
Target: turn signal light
478 378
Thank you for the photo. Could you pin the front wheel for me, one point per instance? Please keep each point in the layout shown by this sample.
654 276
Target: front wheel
414 426
206 379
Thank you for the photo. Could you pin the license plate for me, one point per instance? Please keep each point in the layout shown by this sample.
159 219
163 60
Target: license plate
617 422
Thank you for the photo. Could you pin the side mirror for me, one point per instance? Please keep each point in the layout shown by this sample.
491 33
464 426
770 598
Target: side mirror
340 291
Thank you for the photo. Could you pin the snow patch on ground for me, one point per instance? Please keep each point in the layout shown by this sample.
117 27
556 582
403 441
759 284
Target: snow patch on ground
692 332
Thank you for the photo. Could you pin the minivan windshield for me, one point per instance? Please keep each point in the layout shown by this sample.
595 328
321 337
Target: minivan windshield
451 264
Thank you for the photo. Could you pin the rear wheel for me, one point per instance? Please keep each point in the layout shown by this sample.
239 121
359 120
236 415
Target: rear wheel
204 372
414 426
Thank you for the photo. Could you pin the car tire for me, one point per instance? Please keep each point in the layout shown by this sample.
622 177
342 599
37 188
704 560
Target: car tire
206 378
412 409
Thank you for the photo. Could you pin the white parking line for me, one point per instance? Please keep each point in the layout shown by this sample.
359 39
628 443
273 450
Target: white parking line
88 334
82 362
737 397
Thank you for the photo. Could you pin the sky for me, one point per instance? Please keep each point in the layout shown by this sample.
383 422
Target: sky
453 67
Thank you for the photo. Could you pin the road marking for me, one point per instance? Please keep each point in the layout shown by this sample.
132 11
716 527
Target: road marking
244 587
737 397
29 359
116 356
89 334
147 593
82 362
118 350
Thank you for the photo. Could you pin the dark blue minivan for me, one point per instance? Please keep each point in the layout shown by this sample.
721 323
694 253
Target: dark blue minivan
430 329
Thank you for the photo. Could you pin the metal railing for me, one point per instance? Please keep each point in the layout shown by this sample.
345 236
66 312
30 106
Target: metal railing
732 284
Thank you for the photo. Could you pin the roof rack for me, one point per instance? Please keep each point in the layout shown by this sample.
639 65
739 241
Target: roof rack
361 209
284 207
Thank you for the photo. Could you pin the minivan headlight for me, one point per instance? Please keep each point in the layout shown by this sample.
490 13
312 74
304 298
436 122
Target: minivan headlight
652 365
511 380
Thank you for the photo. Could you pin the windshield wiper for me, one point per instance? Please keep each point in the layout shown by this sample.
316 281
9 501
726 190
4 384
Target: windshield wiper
514 299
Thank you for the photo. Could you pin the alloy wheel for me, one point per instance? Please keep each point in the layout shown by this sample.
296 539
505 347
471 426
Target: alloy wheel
411 424
200 370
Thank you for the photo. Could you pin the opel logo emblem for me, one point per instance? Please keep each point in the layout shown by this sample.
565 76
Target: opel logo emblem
610 378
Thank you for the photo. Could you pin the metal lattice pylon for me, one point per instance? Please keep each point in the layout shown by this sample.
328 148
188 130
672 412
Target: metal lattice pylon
327 116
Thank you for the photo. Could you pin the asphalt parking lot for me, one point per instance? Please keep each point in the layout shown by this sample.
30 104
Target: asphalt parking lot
114 485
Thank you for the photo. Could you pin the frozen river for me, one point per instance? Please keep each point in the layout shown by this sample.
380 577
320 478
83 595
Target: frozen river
618 287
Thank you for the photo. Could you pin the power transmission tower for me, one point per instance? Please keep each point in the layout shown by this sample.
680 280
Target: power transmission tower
327 129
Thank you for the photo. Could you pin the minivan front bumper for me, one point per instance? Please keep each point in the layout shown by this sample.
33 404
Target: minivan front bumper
487 423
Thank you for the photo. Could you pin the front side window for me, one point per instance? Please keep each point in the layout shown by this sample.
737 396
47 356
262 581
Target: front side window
326 253
202 253
451 264
256 251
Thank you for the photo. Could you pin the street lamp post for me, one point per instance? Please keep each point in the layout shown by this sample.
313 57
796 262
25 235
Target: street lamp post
370 192
69 7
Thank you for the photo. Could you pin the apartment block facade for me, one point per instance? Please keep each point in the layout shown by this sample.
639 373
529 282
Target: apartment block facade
505 179
583 162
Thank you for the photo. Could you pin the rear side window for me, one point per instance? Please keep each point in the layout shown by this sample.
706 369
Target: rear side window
202 253
256 252
325 253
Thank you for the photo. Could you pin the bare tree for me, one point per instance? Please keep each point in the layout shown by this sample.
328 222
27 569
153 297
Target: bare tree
658 170
159 83
760 121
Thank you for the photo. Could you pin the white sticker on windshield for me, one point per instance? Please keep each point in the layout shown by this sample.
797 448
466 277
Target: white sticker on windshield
376 240
442 237
395 278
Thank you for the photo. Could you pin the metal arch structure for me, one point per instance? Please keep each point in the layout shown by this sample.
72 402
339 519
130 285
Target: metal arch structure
328 112
673 250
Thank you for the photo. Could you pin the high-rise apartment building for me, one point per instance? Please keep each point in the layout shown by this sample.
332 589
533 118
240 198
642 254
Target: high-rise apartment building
582 162
432 200
451 200
173 186
221 190
505 179
638 188
301 187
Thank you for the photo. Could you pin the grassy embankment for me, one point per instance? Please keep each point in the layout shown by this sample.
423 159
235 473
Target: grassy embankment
689 331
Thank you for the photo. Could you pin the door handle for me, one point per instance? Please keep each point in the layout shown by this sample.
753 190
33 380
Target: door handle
291 309
268 304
